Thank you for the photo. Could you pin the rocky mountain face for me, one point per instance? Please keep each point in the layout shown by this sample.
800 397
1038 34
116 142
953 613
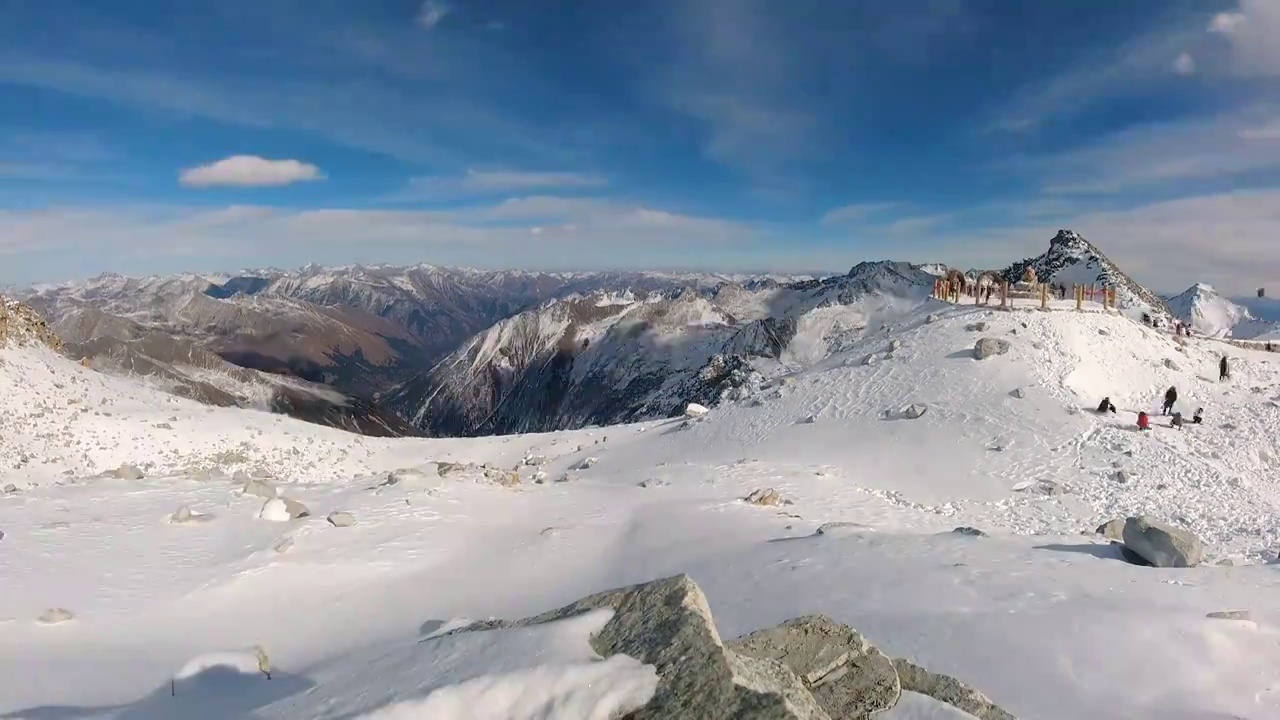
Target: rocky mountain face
1211 314
1073 260
601 358
318 343
21 325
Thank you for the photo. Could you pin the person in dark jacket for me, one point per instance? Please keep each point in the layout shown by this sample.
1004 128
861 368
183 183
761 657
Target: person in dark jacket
1198 417
1223 371
1106 406
1176 422
1170 397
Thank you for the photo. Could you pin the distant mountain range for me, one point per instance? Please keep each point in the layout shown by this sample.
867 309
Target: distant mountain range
391 350
1213 315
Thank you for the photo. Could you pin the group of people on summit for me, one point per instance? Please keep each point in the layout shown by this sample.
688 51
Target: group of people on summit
1170 399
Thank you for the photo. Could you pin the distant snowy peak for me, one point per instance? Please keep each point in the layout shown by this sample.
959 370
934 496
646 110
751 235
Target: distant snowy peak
935 269
1211 314
1073 260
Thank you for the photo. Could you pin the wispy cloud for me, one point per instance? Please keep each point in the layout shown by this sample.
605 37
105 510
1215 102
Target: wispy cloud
249 171
480 183
431 13
1184 64
856 213
1251 33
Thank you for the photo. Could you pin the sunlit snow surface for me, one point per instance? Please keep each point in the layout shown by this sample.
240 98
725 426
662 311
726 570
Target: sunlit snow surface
1045 620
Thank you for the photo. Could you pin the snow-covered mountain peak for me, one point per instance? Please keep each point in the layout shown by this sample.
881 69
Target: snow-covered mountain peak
1073 260
1211 314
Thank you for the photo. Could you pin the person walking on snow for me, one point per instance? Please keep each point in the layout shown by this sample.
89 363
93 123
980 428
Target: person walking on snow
1223 371
1170 397
1144 423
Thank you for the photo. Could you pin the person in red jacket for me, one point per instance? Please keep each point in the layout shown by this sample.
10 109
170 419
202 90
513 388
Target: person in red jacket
1144 423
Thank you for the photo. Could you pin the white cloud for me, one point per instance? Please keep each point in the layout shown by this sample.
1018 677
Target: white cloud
1184 64
250 171
1252 33
855 213
1266 131
431 13
1226 23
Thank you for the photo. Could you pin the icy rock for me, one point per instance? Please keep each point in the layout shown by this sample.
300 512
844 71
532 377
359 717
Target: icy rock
667 623
184 515
284 545
1121 476
1231 615
653 482
540 477
971 531
871 359
914 411
341 519
694 410
988 347
846 675
566 478
932 318
764 496
809 420
587 463
976 327
534 460
505 478
259 488
841 528
894 344
1112 529
1169 363
1161 544
127 472
10 489
443 469
1019 393
283 509
409 477
1103 331
948 690
53 616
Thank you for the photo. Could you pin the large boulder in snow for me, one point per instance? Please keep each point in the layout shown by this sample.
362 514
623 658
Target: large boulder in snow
1162 544
283 509
764 496
847 676
949 690
127 472
989 347
695 410
667 623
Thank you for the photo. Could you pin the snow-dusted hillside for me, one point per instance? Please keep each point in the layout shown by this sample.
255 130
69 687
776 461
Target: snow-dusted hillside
1048 622
1073 260
1213 315
604 358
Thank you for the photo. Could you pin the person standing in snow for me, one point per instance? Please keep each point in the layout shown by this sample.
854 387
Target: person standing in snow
1223 371
1144 423
1106 405
1176 422
1170 397
1198 417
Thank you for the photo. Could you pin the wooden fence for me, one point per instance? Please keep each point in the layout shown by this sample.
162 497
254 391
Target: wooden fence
956 292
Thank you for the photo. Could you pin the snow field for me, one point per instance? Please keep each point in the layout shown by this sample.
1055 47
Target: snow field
1047 622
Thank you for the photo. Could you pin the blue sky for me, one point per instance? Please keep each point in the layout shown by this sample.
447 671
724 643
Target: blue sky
144 136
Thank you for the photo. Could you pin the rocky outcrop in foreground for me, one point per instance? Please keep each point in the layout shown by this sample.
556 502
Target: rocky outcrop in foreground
20 325
808 668
1148 541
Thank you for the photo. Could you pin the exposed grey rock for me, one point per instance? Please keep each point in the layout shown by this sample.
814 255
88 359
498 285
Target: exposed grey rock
1103 331
1121 476
949 690
1169 363
695 410
809 419
534 460
894 344
1112 529
840 528
667 623
127 472
53 616
10 489
1162 544
871 359
587 463
283 545
505 478
932 318
443 469
1231 615
847 676
653 482
976 327
764 496
972 531
914 411
988 347
341 519
294 509
1019 393
259 488
1 534
1130 556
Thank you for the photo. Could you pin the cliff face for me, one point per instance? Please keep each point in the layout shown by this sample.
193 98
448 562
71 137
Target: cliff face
20 325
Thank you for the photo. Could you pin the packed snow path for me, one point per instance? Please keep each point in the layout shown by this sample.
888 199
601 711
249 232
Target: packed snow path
1049 622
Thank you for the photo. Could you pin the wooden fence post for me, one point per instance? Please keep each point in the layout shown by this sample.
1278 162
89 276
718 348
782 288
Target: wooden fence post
1079 297
1004 294
1044 296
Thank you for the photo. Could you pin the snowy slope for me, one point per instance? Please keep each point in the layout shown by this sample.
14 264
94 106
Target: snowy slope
1211 314
606 358
1046 621
1073 260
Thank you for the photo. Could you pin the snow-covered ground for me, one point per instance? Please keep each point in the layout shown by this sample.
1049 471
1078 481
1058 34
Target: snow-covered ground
1044 619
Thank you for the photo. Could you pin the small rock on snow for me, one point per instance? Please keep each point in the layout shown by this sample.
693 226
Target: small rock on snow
1169 363
341 519
1231 615
283 509
1103 331
1019 393
53 616
976 327
653 482
10 489
971 531
587 463
1162 544
1112 529
809 420
841 528
127 472
694 410
989 347
914 411
764 496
